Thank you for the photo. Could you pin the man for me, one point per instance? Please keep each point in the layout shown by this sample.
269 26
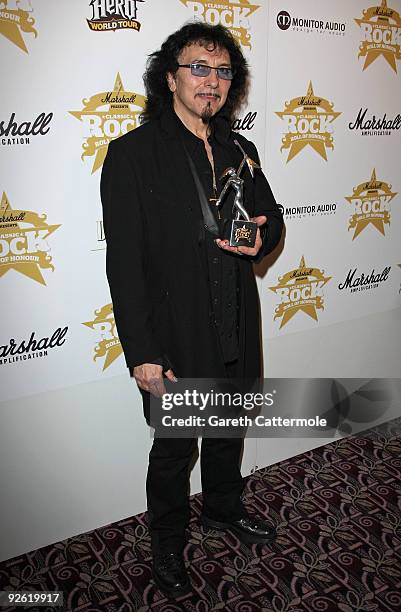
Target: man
186 303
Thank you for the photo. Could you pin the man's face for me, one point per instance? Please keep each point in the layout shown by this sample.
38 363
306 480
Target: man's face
201 97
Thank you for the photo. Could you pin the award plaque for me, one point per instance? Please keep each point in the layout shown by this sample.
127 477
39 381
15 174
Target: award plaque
240 230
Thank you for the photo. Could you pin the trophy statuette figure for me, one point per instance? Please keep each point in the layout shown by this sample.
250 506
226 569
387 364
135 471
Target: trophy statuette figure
239 231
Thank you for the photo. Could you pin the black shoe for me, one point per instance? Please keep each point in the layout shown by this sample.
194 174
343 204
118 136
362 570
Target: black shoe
248 529
170 575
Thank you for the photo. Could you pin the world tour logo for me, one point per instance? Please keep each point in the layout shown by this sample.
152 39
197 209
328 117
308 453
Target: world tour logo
233 15
308 120
15 18
300 289
371 203
31 348
381 30
112 15
108 345
106 116
23 242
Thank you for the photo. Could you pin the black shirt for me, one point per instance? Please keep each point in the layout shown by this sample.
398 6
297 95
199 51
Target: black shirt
221 265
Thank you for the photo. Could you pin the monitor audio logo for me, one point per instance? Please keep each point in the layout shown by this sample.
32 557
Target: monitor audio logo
15 18
283 20
300 289
23 242
112 15
106 116
306 24
308 120
234 15
371 202
108 345
381 30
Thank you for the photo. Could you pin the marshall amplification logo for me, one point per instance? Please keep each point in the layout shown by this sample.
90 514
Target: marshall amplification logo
15 18
112 15
31 348
106 116
371 202
374 126
109 345
308 120
245 123
23 241
359 281
304 24
13 132
381 31
300 290
233 14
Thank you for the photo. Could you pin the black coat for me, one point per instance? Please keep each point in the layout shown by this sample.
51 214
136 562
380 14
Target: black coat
156 271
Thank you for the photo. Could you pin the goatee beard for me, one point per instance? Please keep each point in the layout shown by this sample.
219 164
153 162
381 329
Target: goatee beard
207 113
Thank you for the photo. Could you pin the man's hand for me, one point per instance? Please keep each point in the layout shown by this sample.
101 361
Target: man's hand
242 250
149 377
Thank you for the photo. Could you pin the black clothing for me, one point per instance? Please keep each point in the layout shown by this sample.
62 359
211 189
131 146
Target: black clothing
221 265
155 264
161 272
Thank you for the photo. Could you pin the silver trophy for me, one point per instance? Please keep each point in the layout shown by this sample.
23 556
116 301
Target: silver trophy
240 231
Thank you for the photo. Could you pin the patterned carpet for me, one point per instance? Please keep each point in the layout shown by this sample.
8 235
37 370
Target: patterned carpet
338 509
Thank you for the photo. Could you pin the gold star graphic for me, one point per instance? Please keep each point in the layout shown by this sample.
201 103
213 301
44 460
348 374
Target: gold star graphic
110 346
116 111
300 290
27 247
385 20
240 32
371 200
308 118
13 22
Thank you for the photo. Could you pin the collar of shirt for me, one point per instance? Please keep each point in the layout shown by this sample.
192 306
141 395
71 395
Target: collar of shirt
220 128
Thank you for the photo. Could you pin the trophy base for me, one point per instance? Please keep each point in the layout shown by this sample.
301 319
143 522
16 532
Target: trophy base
240 233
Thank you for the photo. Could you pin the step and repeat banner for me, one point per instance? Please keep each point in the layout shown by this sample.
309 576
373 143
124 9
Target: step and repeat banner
333 144
323 109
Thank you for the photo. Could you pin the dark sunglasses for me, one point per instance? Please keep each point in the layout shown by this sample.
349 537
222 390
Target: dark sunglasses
203 70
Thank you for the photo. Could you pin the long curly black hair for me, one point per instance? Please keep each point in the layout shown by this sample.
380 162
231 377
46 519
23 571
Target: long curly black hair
159 96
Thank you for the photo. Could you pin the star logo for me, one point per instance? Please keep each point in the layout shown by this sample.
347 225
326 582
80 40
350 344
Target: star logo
109 345
300 290
107 116
381 29
308 121
23 241
232 15
13 21
371 201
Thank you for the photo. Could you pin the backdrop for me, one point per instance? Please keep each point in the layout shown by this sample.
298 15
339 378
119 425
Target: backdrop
323 111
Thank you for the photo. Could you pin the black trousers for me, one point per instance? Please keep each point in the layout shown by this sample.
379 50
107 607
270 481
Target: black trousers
167 485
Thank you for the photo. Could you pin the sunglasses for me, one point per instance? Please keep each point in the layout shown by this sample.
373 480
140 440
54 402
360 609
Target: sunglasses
203 70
